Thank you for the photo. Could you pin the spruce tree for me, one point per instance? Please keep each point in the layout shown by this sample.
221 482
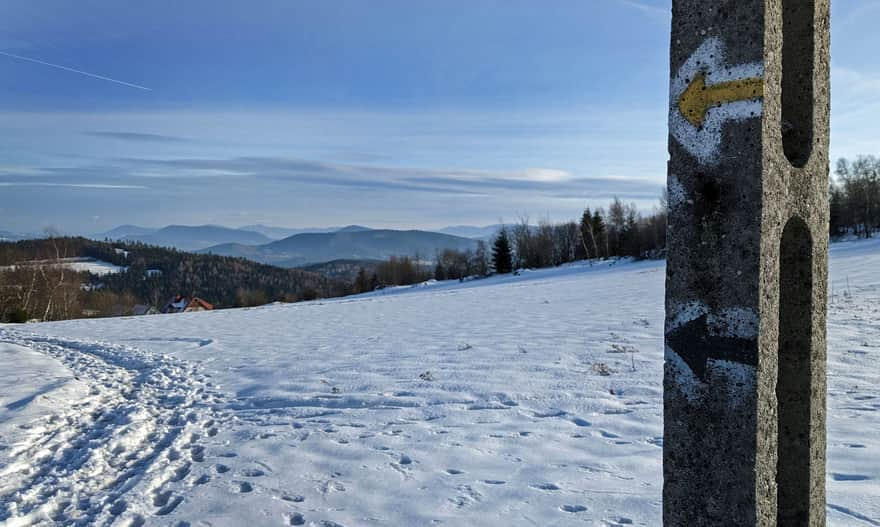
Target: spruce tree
502 260
599 233
362 284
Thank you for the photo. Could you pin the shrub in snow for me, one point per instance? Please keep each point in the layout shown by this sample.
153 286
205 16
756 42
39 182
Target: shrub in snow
600 368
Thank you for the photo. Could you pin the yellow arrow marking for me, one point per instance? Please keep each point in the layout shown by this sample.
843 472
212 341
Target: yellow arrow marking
698 98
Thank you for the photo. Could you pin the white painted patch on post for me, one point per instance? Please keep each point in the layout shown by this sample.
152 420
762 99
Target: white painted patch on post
704 142
677 195
732 322
740 379
683 313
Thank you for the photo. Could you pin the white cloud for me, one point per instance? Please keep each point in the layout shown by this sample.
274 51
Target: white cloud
545 174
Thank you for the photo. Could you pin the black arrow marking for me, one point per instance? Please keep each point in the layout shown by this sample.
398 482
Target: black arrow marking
696 345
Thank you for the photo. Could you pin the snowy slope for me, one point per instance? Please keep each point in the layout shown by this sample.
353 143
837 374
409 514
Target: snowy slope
529 400
80 265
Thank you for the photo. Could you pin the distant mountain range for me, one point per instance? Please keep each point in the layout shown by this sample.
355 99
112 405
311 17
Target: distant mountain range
469 231
194 237
124 231
353 243
278 233
290 247
6 236
185 237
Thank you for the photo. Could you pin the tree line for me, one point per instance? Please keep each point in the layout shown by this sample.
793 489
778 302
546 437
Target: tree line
855 197
621 231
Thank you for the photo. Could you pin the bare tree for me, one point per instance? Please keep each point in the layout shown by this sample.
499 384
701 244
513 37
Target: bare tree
860 181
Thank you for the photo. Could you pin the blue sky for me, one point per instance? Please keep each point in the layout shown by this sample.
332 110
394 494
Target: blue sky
389 113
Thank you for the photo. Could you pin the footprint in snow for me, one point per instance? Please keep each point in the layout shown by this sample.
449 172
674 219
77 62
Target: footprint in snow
181 472
197 453
244 487
548 413
160 499
836 476
118 507
169 507
545 486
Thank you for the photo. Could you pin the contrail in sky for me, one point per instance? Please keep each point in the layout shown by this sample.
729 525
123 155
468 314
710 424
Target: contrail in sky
65 68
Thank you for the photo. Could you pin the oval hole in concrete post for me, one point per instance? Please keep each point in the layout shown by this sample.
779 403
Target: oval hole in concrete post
797 79
795 374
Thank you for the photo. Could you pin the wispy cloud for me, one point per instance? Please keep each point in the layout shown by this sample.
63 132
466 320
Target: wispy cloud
857 13
138 137
653 10
291 173
99 186
855 103
548 181
854 90
73 70
301 191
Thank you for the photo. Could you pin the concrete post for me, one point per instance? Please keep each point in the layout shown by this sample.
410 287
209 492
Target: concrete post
744 379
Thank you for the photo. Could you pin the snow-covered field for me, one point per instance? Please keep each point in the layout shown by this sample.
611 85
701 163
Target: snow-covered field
529 400
89 265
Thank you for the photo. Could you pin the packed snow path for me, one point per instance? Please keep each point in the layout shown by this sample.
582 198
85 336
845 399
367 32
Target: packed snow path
130 441
529 400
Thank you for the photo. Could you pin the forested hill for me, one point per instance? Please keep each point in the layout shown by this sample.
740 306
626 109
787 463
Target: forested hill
31 275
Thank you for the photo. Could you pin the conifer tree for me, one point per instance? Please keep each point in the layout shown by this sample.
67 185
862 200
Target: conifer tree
362 284
502 260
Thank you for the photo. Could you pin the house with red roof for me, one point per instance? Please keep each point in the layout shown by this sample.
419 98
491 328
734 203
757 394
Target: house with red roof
184 304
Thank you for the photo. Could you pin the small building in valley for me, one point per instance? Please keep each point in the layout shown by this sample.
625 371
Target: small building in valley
183 304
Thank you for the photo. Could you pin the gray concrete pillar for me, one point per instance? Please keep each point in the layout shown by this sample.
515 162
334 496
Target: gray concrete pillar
744 379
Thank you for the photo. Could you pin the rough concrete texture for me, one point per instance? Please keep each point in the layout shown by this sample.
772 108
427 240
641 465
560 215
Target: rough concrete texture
744 379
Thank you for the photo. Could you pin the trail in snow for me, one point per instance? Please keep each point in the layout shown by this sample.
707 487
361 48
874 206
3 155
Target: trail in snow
127 450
